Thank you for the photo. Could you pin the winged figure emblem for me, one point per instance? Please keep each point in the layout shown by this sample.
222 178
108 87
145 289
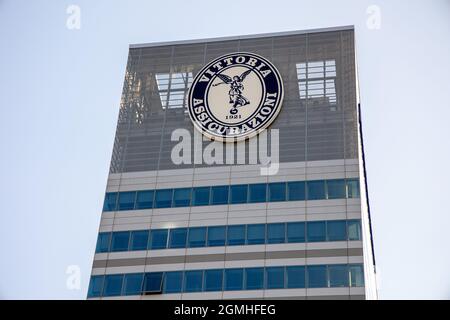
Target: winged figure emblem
236 89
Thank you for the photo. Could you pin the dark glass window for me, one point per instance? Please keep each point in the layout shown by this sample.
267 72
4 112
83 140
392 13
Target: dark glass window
236 235
120 241
352 188
197 237
103 240
158 239
338 275
95 286
296 232
238 194
216 236
354 230
182 197
213 280
275 277
163 198
356 275
173 282
336 189
193 281
337 230
254 278
277 191
275 233
110 201
296 191
132 284
126 200
256 233
295 276
316 190
113 285
153 282
316 231
257 192
317 276
201 196
178 238
219 195
234 279
139 240
144 199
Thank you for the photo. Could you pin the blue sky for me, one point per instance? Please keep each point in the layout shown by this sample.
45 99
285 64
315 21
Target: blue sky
61 89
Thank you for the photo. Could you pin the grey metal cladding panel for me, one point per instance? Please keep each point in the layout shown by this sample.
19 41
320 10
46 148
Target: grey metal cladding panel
309 129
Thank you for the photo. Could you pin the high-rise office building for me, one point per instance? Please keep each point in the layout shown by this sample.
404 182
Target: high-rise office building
176 225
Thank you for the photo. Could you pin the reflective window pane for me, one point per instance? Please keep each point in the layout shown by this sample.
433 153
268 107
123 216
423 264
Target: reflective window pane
254 278
144 199
219 195
275 233
238 194
336 189
178 238
95 286
200 196
338 275
296 232
354 230
236 235
103 240
296 191
277 191
213 280
113 285
158 239
317 276
120 241
163 198
197 237
257 192
295 277
353 188
234 279
126 200
193 281
216 236
256 234
336 230
275 277
316 190
132 284
182 197
316 231
110 201
153 282
139 240
356 275
173 282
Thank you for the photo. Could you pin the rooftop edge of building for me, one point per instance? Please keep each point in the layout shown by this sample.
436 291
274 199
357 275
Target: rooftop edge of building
250 36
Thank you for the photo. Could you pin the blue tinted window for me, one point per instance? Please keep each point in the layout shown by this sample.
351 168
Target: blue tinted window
158 239
338 275
234 279
219 195
173 282
120 241
257 192
275 233
337 230
144 199
336 189
182 197
216 236
238 194
316 231
296 232
132 284
352 188
110 201
277 191
193 281
152 282
236 235
354 230
201 196
256 234
356 275
197 237
95 286
317 276
163 198
103 242
178 238
139 240
296 191
254 278
126 200
316 190
213 280
295 277
113 285
275 277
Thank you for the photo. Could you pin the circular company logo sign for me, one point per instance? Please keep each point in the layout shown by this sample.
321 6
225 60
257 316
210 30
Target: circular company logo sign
235 96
